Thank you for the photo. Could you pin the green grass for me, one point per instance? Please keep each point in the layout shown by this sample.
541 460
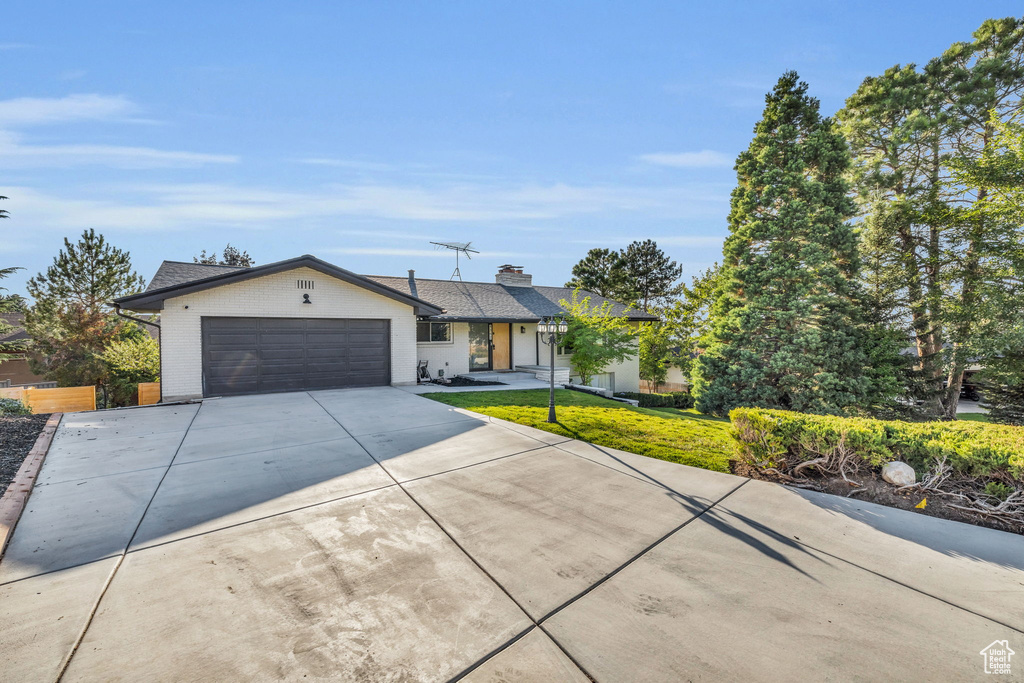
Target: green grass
973 417
683 436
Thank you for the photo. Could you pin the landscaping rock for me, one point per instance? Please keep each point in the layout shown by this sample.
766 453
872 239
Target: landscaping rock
899 473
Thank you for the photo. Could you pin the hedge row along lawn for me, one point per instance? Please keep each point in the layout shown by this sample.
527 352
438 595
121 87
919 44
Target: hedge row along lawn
970 471
683 436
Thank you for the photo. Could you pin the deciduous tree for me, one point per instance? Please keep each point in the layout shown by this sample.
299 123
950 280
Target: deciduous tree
597 337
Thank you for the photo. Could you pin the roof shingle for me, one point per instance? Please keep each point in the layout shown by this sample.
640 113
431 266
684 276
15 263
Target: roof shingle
481 301
171 273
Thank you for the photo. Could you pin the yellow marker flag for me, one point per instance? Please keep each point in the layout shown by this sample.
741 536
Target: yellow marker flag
922 504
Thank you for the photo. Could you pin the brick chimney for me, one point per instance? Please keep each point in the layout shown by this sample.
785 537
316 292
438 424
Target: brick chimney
513 276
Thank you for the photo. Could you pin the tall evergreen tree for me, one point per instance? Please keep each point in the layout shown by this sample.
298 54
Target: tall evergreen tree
8 304
651 276
70 321
602 272
787 322
232 257
934 261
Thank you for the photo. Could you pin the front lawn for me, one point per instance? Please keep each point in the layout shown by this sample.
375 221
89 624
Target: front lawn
683 436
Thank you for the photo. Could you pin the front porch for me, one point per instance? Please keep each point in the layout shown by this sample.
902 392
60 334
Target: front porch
513 380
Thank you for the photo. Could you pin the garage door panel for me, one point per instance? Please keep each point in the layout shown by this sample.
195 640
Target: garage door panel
328 354
233 339
231 356
254 355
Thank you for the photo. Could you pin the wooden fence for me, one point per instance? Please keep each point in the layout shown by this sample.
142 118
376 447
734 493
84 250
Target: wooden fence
663 388
63 400
149 393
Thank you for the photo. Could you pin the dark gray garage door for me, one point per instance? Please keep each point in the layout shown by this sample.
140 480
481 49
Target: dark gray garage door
262 355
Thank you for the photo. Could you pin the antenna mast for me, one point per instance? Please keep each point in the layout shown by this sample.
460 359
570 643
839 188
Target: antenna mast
458 248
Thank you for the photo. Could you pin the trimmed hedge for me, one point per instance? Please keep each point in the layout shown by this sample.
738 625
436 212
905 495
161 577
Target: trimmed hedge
783 439
673 399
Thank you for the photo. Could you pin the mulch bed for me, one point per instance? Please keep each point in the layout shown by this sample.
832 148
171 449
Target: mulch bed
466 382
17 436
874 489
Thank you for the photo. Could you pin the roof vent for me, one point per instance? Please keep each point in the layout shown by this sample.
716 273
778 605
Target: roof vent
513 276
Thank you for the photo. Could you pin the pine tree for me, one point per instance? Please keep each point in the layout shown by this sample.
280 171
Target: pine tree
787 322
8 304
232 257
936 258
70 321
651 276
90 274
602 272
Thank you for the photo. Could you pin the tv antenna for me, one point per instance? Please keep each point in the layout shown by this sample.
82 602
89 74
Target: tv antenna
458 248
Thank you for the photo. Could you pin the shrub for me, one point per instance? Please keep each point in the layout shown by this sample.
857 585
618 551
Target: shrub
674 399
12 406
130 361
783 440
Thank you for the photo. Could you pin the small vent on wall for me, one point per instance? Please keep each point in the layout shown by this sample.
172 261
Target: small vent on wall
304 284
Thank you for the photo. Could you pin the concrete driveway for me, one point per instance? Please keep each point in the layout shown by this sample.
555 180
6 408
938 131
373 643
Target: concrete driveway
371 534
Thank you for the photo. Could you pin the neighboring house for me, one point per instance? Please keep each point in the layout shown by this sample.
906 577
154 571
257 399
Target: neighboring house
308 324
16 370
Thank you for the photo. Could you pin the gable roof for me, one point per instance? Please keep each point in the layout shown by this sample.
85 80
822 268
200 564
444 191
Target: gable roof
171 282
490 301
171 273
16 319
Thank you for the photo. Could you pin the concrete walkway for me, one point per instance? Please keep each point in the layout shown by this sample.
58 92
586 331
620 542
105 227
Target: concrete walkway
371 534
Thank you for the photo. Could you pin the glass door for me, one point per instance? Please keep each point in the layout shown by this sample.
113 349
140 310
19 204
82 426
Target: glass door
479 346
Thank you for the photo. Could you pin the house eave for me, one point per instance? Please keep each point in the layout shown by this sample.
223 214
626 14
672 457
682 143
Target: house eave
154 300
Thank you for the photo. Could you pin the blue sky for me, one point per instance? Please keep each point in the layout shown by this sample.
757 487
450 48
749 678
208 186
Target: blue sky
359 132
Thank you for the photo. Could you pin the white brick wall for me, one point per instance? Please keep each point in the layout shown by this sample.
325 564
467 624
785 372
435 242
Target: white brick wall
524 345
452 357
274 296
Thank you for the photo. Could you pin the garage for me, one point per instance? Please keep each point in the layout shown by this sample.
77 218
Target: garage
265 355
292 325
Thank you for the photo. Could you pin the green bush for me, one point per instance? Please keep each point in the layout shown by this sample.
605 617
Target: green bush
674 399
12 406
782 440
130 361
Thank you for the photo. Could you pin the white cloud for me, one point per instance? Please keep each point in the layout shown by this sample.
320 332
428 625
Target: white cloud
185 206
345 163
16 154
30 111
702 159
427 253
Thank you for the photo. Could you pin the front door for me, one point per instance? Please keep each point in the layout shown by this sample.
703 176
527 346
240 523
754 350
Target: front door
501 354
479 346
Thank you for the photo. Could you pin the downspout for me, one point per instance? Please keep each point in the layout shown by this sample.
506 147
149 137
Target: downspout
117 310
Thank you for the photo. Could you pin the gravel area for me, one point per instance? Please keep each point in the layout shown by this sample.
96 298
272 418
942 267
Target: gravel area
17 436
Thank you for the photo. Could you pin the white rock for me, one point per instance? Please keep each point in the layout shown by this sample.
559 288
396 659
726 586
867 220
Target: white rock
899 473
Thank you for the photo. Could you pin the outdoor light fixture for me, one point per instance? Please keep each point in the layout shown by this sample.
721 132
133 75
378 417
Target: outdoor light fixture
522 329
305 299
550 330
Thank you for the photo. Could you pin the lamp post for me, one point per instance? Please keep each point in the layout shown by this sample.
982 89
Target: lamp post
550 330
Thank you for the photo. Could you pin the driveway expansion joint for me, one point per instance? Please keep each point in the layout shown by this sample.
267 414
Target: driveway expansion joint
851 563
471 559
117 565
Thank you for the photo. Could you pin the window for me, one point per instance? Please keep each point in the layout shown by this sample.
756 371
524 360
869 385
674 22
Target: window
433 333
